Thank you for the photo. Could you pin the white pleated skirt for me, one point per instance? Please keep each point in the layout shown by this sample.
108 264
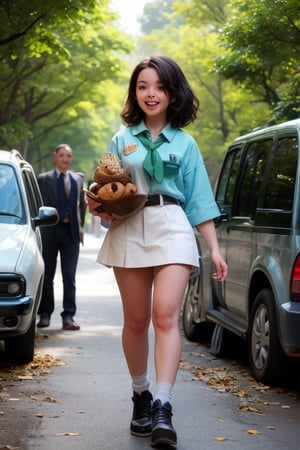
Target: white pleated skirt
155 236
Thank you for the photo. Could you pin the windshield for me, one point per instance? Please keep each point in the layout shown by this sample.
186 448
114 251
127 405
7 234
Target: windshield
11 204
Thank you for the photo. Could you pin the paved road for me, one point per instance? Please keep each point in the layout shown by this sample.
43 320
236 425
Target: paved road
85 403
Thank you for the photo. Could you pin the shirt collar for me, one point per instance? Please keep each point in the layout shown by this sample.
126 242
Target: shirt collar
58 172
168 131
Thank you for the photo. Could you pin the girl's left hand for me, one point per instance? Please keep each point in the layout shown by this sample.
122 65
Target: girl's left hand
220 266
92 205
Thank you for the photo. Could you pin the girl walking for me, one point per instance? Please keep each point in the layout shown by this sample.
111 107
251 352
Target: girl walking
153 252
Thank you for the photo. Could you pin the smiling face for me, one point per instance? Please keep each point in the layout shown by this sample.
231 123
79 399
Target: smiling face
151 95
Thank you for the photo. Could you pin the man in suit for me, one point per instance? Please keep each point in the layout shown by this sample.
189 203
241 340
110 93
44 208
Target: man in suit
62 189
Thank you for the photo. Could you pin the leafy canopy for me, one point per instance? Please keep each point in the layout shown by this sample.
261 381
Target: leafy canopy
56 57
262 42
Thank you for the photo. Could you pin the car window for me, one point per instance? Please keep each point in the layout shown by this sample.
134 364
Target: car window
227 180
254 166
33 196
11 204
280 182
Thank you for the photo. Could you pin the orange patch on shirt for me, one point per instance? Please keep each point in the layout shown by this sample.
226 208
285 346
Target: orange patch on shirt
129 149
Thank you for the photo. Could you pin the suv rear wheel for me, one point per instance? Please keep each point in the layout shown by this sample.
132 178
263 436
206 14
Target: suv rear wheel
267 359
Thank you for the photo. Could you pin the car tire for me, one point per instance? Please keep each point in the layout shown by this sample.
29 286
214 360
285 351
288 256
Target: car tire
20 349
223 342
267 359
193 329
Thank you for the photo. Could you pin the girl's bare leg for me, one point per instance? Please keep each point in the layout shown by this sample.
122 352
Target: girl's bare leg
169 286
135 287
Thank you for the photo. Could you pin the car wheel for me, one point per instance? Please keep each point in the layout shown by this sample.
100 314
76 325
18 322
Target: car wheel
223 342
193 330
20 349
267 359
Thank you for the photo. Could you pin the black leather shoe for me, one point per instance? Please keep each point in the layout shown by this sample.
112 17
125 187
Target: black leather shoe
44 321
163 432
141 422
69 324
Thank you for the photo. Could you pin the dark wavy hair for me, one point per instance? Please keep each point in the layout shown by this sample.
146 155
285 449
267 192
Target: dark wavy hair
184 106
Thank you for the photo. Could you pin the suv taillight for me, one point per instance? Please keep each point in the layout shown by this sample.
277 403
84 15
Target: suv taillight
295 281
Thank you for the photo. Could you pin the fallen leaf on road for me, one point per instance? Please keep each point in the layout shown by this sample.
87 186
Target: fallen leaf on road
50 399
9 447
253 432
39 366
251 409
220 439
67 434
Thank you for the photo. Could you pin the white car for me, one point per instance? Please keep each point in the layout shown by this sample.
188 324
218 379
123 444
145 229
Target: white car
21 262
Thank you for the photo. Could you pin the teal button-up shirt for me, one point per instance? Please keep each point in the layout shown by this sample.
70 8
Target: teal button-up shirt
185 175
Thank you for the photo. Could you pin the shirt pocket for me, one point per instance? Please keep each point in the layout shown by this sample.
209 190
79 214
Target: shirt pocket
171 168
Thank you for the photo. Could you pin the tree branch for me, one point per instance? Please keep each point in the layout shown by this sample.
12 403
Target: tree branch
15 36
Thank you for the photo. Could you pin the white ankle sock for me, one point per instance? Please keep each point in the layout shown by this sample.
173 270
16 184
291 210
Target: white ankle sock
140 383
163 392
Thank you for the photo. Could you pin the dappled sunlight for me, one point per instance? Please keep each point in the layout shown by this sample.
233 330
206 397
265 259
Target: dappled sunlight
64 344
99 310
86 331
104 285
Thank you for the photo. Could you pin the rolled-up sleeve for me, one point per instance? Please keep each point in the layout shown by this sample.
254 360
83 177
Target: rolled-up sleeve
200 204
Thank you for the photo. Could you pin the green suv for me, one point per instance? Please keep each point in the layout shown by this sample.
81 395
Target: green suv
258 194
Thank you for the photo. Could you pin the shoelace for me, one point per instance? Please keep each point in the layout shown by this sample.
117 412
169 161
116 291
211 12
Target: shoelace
142 405
162 414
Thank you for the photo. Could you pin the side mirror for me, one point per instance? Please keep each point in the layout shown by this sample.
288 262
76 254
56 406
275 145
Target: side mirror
47 216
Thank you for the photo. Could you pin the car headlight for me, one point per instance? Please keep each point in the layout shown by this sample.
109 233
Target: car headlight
14 288
11 285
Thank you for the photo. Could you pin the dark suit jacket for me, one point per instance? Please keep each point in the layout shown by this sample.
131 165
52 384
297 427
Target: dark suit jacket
47 183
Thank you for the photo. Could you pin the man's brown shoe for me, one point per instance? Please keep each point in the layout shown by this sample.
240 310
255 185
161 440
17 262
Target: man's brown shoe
69 324
44 321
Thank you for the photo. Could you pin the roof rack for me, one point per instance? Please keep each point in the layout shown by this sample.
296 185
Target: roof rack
16 154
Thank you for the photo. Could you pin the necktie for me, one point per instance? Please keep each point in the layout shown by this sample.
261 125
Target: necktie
67 185
153 163
61 197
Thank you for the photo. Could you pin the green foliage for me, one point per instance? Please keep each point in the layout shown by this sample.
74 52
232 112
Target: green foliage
262 42
151 19
226 110
65 69
210 12
56 59
32 21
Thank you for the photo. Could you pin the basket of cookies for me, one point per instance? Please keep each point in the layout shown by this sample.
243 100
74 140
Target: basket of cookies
113 189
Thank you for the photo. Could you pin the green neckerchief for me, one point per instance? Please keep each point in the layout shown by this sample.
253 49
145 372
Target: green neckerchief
153 163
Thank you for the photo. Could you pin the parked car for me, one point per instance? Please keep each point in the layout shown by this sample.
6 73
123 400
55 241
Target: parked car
258 193
21 262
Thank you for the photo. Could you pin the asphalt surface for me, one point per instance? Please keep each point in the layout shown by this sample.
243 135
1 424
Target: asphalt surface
85 401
